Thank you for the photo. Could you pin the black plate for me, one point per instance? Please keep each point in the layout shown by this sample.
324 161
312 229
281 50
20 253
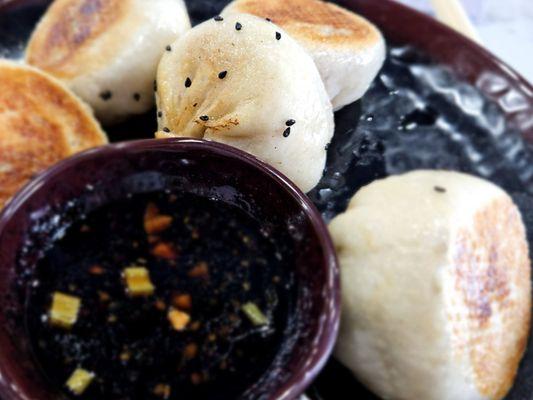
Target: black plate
418 114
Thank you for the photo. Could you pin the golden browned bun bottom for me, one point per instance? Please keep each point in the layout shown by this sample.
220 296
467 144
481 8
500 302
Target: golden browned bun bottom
314 21
41 122
347 49
77 36
107 51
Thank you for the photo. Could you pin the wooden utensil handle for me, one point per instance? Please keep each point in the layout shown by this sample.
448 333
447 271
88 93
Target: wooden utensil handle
452 13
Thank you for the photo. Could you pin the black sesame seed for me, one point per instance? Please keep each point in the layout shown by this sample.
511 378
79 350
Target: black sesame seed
188 82
106 95
136 96
238 26
268 19
287 132
195 104
204 118
155 86
290 122
168 48
159 114
278 35
439 189
222 75
165 129
218 18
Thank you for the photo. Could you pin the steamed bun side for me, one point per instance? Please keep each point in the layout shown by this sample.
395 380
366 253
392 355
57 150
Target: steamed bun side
348 50
436 287
107 51
243 81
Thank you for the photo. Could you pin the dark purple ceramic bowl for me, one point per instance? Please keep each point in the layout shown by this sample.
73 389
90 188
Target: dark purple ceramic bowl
98 176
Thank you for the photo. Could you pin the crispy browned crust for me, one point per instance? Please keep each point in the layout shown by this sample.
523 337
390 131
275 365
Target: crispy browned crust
76 35
493 277
41 123
314 21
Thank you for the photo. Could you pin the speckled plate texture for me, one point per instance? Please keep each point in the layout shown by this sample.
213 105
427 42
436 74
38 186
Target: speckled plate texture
440 102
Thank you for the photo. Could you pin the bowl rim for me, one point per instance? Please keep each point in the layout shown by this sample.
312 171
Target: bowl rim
467 59
313 362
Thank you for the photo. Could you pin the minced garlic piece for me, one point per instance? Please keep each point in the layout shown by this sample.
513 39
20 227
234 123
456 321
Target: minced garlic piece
162 390
200 270
182 301
164 250
138 281
79 381
178 319
154 222
157 224
65 309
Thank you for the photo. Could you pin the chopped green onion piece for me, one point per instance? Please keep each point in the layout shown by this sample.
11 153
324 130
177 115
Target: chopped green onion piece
254 314
79 381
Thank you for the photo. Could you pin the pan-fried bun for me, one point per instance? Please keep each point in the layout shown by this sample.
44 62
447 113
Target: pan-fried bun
347 49
245 82
436 287
107 51
41 122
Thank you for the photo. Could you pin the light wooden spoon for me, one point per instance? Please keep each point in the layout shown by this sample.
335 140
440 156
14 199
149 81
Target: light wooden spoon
452 13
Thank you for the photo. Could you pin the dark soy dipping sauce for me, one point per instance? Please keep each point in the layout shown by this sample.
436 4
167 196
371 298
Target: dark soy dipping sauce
128 342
